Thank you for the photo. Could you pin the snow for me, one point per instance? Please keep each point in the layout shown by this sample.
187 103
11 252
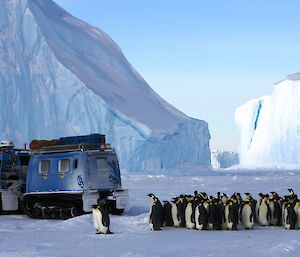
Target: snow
270 127
24 237
60 76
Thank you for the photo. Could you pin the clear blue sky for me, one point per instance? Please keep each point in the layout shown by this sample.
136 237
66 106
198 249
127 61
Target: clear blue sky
204 57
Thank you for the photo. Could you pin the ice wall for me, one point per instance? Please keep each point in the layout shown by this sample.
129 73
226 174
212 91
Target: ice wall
223 159
270 126
60 76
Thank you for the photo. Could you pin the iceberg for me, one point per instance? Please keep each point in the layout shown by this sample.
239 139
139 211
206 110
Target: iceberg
270 127
223 159
60 76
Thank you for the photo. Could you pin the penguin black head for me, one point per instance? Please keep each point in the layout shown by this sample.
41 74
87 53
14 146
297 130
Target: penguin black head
291 191
196 193
151 195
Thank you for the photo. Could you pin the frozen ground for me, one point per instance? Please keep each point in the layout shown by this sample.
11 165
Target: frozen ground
21 236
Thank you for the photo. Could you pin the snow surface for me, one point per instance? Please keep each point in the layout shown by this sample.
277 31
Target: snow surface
60 76
270 127
26 237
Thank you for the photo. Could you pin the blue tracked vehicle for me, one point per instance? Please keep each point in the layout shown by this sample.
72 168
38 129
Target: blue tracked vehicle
65 178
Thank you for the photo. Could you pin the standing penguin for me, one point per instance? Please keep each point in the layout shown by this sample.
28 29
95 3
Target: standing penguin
257 206
201 216
175 215
156 218
217 214
253 203
291 218
235 213
190 215
168 214
101 219
228 214
297 210
277 212
159 206
247 215
182 203
264 212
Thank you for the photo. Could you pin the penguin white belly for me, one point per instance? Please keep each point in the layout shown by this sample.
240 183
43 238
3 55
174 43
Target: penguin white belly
246 217
263 213
174 212
97 220
285 215
197 214
188 216
298 218
228 223
96 214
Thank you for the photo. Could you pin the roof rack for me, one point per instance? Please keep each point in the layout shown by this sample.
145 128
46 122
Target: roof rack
72 148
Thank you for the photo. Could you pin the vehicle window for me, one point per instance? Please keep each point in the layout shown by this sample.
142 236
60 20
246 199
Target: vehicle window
24 160
64 165
76 164
44 167
101 163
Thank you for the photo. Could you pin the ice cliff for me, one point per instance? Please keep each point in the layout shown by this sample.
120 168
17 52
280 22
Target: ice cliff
223 159
270 126
60 76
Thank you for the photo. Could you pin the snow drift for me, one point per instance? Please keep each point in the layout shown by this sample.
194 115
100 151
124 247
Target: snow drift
270 126
60 76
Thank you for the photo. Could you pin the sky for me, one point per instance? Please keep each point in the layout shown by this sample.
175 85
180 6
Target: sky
204 57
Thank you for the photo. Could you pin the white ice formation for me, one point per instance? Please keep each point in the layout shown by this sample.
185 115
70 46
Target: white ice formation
60 76
270 127
223 159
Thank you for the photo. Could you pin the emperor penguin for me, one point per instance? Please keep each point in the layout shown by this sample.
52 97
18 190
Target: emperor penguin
175 215
284 213
224 198
257 205
253 203
272 210
264 212
235 213
181 209
228 214
291 217
190 215
201 216
297 210
101 219
210 208
168 214
277 212
204 195
217 214
154 199
156 219
247 215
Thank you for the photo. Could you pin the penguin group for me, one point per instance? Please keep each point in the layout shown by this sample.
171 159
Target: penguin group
223 212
